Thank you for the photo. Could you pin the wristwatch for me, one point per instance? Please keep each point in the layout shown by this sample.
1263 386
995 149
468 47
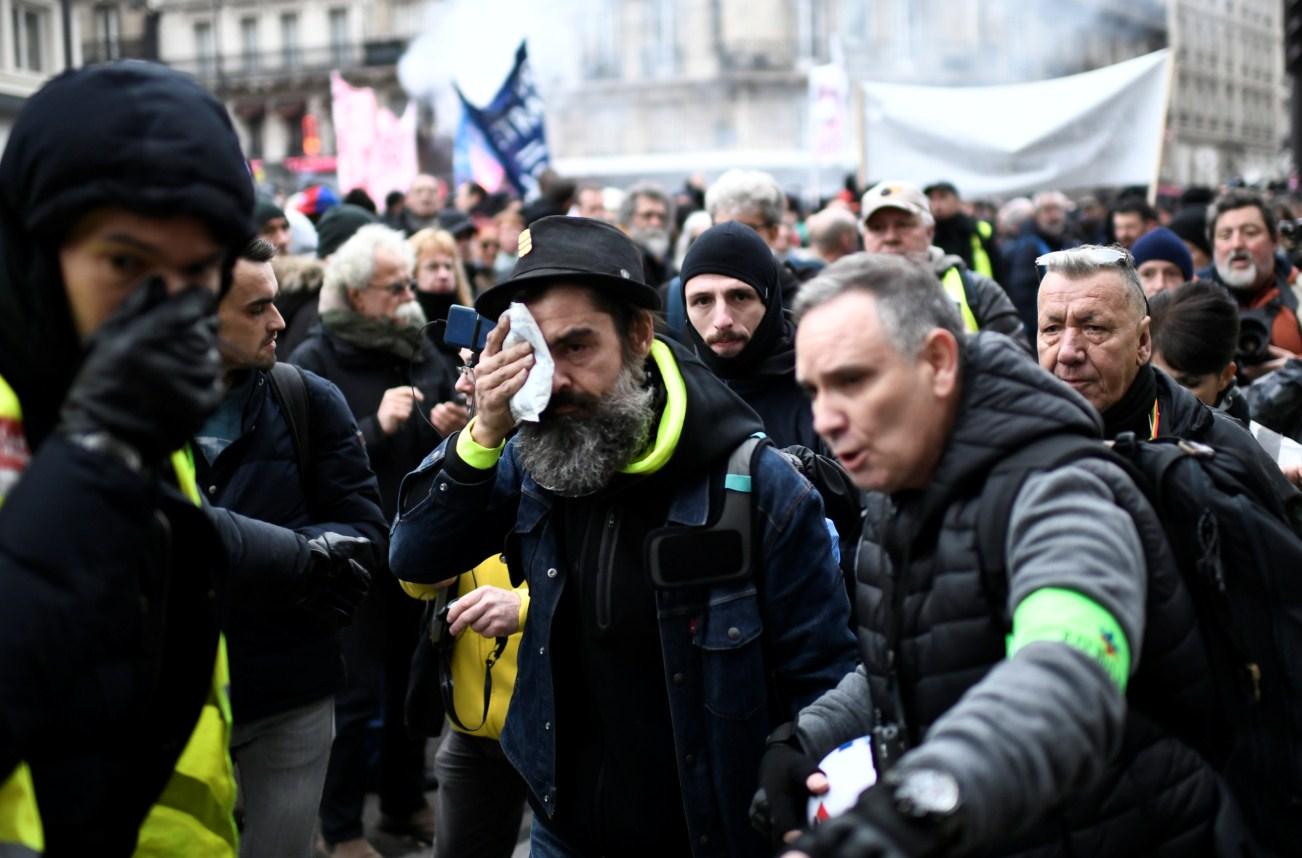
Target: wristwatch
925 794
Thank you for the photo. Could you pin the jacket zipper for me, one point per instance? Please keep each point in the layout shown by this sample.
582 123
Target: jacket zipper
606 567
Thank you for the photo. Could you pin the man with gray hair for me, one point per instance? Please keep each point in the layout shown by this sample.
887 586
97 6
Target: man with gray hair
997 724
370 344
647 216
1093 334
751 197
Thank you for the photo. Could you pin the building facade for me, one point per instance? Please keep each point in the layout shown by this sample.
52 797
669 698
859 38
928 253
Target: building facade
33 47
741 67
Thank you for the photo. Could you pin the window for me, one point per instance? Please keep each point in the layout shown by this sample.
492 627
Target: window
339 37
204 47
289 39
31 27
108 33
294 125
257 126
660 52
249 43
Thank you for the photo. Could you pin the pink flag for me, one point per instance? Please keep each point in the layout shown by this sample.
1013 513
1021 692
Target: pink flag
375 149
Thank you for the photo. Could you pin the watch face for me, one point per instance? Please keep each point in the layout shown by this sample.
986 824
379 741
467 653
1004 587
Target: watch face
925 792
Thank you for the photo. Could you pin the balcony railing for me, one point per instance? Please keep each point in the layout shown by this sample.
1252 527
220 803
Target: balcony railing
269 67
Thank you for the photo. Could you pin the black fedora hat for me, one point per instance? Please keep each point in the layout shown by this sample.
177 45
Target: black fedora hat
576 250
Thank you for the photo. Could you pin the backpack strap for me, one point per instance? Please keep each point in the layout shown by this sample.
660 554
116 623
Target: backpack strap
998 495
290 387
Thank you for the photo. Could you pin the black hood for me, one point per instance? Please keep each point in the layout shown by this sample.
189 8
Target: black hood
717 419
132 135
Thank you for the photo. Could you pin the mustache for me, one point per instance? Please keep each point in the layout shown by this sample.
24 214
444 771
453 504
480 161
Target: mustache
726 338
573 398
1239 254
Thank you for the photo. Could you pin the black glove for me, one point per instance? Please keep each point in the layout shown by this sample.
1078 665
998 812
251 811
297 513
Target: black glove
152 373
876 827
337 578
781 803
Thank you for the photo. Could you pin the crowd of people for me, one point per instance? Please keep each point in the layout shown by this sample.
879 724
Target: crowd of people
706 489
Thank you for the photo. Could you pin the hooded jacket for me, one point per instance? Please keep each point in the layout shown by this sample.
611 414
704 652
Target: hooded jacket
764 372
108 616
593 728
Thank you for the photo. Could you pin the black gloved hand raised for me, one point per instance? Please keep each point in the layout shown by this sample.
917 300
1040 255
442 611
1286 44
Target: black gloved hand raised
337 577
782 800
876 827
151 374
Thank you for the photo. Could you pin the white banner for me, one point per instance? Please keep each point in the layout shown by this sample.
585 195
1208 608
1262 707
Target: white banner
1100 128
829 94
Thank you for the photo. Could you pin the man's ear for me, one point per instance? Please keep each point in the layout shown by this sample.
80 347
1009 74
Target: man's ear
1145 341
1227 376
643 332
940 352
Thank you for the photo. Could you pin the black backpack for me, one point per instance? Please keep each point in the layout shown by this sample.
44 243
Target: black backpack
1241 562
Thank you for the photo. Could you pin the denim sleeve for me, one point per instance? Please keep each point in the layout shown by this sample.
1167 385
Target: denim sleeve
447 523
806 614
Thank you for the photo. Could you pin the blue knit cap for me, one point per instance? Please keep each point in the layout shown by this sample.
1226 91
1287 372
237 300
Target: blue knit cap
1165 245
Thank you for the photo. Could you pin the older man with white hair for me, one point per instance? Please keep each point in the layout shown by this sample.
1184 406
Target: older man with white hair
370 344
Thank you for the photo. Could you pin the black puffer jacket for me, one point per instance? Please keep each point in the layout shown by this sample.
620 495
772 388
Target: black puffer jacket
931 618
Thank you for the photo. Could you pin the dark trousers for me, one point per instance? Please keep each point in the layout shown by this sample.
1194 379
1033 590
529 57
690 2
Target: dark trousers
377 651
480 799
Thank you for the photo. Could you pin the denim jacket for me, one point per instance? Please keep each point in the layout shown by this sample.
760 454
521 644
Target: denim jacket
738 658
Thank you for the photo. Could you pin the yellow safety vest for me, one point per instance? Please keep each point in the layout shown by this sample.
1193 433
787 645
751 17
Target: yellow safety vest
953 285
981 259
195 815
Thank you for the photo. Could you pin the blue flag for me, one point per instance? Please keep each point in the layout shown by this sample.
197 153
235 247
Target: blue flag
513 126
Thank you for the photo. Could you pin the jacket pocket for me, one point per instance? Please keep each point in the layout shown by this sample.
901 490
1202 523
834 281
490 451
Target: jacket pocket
729 640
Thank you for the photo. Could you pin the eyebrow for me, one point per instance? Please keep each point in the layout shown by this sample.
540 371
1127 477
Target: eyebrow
146 247
570 335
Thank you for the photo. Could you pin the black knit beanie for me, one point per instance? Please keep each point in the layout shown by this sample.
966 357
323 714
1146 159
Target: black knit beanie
734 250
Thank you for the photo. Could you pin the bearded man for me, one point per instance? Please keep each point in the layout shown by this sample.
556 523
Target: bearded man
647 215
371 346
669 628
1246 260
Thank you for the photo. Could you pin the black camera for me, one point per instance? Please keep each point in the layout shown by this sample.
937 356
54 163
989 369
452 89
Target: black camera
1254 338
440 630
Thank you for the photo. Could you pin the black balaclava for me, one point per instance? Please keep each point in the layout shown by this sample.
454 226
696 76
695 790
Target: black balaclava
735 250
132 135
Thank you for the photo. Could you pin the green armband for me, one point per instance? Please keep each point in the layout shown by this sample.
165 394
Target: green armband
475 455
1065 616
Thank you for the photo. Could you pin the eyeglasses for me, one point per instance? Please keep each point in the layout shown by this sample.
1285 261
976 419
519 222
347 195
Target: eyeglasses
397 287
1096 255
489 245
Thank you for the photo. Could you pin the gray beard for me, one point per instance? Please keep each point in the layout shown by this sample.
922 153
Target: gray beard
574 455
1237 278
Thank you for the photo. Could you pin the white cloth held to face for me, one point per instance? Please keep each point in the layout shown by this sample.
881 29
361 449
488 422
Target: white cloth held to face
531 400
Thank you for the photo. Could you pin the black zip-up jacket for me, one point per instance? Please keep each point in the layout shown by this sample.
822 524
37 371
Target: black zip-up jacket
280 656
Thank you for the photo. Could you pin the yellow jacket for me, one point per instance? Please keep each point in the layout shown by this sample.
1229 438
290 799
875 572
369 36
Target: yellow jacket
471 651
